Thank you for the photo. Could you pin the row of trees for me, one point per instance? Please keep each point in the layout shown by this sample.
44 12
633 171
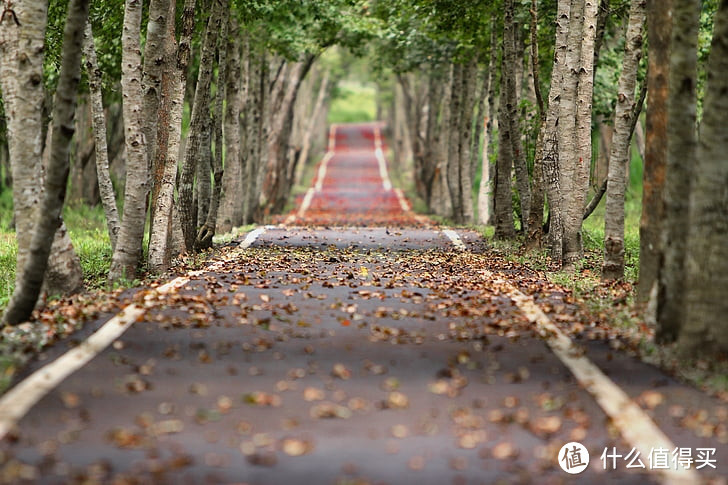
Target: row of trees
528 81
460 65
240 68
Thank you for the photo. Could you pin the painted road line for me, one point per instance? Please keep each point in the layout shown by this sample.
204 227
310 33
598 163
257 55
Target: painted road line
402 200
383 173
17 401
635 426
456 241
251 237
321 175
332 138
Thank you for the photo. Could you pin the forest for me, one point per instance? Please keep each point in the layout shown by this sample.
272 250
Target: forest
160 125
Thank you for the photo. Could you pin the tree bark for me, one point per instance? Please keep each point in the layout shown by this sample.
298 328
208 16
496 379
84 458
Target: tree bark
659 27
551 154
106 188
510 60
256 129
469 87
168 141
704 330
681 149
155 63
453 144
207 231
504 164
613 266
198 122
534 235
231 203
48 220
128 252
21 81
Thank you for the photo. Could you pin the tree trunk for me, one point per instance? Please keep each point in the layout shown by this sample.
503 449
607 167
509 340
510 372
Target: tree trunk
106 188
231 203
442 202
681 147
613 266
504 164
551 154
128 252
21 74
22 90
198 123
469 87
168 140
48 220
510 60
155 63
311 126
453 144
480 157
659 27
256 130
534 235
704 331
207 231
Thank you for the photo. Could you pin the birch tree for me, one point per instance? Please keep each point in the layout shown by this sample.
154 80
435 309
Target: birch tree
106 188
48 219
659 27
167 153
128 251
704 331
200 111
613 266
22 36
682 145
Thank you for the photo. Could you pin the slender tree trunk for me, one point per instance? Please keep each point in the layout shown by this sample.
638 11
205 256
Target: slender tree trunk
311 126
704 329
534 235
128 250
659 27
480 157
257 129
168 140
551 153
681 147
48 220
22 90
504 164
441 193
207 232
485 191
453 152
613 266
155 63
106 188
198 123
510 60
231 206
469 87
21 74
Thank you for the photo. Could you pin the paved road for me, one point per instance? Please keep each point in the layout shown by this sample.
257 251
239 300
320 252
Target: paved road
376 353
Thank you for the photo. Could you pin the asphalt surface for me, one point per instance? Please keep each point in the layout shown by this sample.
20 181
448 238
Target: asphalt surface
372 353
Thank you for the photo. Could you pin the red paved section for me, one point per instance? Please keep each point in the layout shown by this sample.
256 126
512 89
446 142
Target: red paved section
351 186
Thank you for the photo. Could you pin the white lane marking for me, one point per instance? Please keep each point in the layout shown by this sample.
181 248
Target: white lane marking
306 202
456 241
402 200
322 171
383 173
635 426
251 237
16 403
332 138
